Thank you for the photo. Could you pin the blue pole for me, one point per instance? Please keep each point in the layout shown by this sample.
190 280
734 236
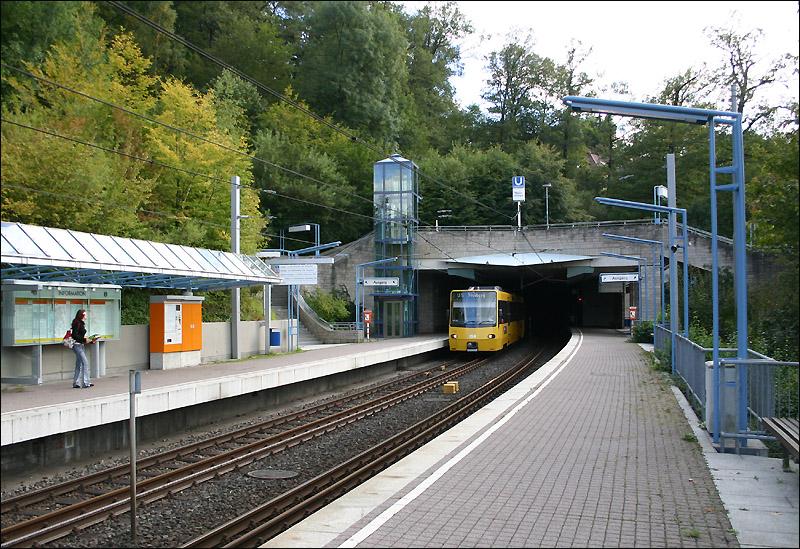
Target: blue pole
685 279
740 255
712 156
663 294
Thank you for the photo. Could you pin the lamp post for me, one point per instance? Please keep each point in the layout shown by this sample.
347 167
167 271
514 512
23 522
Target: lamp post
713 118
547 204
673 275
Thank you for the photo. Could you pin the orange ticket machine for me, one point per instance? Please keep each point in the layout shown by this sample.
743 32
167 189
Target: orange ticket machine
176 331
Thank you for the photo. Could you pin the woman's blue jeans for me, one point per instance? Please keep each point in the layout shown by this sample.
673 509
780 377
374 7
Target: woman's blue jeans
81 365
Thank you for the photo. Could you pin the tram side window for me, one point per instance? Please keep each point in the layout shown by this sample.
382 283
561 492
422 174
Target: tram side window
504 311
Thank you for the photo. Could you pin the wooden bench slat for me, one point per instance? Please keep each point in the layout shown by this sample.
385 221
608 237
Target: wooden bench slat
786 431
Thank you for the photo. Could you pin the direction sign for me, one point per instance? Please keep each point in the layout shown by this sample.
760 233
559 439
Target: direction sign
382 281
518 188
619 277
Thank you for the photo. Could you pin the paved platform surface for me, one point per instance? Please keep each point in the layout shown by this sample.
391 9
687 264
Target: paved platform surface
35 411
593 450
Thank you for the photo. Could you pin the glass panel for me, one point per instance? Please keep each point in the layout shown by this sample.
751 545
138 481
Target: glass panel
473 309
96 249
80 250
46 243
113 247
137 256
160 255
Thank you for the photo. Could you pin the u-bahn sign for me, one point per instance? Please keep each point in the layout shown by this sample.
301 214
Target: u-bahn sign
619 277
518 188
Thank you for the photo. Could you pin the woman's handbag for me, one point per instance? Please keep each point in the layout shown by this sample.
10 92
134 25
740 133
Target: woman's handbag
68 342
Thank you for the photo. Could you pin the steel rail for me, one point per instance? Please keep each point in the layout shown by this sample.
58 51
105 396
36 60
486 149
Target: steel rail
278 514
80 515
22 501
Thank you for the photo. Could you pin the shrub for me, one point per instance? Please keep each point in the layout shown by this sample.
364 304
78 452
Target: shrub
328 306
642 332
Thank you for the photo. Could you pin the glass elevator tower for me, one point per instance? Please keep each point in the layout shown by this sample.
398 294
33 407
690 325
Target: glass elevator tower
396 203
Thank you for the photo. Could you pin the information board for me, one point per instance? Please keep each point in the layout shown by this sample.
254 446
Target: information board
297 274
40 313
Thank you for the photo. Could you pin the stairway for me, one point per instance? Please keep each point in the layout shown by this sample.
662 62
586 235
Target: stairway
281 311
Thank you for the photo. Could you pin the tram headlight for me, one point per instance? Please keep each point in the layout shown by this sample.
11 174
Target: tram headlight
491 336
454 336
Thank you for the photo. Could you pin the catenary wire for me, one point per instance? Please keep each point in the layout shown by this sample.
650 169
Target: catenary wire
279 95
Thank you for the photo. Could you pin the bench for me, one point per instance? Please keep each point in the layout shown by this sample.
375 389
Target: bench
786 432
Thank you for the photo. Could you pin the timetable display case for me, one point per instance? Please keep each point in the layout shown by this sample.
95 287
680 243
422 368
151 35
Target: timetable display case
39 313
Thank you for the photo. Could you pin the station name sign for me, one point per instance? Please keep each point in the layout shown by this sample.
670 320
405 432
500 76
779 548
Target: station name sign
619 277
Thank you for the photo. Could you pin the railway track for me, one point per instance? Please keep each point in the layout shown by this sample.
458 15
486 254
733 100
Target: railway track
86 501
273 517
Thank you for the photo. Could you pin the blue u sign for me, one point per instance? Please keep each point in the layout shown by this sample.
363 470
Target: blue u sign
518 181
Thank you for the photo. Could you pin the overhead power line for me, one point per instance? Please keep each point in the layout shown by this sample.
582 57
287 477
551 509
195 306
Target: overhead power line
352 137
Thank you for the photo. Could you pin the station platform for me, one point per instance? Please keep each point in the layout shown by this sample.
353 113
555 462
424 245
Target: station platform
32 412
592 450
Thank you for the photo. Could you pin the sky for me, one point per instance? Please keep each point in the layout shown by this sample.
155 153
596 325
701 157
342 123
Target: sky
640 43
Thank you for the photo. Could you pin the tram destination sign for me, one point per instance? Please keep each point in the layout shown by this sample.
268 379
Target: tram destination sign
382 281
619 277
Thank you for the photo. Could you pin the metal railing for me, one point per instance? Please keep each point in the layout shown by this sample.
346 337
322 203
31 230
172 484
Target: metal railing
508 228
771 385
690 363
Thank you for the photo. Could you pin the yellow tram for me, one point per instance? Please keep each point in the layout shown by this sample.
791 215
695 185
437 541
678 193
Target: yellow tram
485 319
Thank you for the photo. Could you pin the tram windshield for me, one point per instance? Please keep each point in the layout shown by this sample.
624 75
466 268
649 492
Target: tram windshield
472 309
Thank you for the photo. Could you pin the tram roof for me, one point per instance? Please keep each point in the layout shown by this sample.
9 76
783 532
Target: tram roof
48 254
519 259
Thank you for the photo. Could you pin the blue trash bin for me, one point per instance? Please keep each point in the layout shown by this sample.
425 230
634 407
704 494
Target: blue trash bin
274 338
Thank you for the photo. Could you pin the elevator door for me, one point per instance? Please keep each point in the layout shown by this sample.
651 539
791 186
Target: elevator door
393 318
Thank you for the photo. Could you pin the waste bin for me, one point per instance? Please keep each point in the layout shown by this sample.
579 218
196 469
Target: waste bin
274 338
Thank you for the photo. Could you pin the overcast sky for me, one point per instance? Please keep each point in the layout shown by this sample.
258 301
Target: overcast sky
641 43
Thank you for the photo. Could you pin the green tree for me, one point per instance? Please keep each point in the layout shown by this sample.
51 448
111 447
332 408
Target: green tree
337 173
242 34
431 116
55 182
353 66
200 204
516 72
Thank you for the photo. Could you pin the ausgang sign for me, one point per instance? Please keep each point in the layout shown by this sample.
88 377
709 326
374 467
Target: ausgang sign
619 277
382 281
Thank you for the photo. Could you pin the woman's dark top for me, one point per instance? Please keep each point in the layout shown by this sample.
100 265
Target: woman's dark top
79 331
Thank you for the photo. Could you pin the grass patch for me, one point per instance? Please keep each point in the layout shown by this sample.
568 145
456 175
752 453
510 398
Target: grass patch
693 533
690 438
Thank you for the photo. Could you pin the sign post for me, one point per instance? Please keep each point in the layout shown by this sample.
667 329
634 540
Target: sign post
518 195
367 320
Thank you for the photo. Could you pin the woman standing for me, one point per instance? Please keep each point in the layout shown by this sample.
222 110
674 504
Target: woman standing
81 363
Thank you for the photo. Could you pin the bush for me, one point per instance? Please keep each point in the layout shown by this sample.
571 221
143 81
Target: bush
642 332
331 307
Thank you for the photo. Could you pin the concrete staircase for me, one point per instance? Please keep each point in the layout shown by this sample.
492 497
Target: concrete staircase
281 311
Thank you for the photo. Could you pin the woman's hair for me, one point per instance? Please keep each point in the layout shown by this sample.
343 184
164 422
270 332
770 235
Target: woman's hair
79 315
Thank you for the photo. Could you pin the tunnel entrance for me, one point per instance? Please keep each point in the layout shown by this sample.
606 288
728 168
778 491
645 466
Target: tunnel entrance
553 304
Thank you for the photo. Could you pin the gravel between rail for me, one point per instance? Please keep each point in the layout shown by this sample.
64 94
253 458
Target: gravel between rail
171 522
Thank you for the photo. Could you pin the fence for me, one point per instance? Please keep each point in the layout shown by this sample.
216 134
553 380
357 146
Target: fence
765 387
